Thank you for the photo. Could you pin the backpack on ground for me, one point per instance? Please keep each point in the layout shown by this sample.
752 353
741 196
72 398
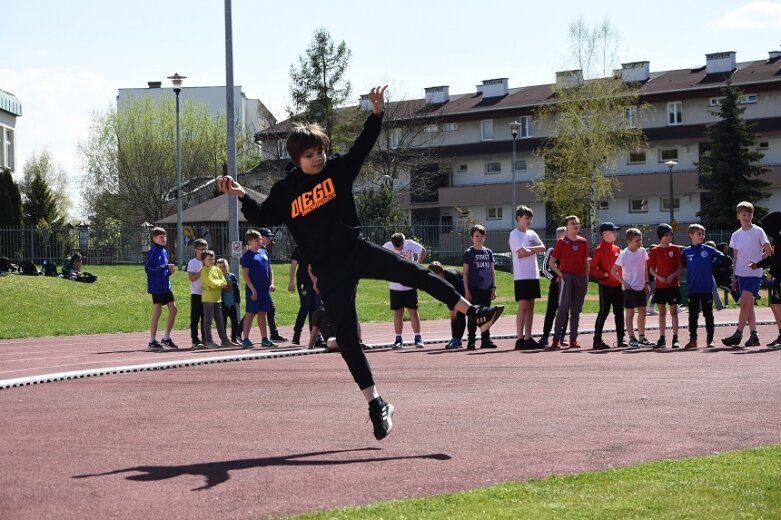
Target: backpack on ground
49 268
28 268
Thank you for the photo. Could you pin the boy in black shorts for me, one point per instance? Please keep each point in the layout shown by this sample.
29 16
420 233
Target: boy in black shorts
315 200
665 263
158 284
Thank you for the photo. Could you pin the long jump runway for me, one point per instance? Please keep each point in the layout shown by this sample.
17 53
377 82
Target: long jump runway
291 434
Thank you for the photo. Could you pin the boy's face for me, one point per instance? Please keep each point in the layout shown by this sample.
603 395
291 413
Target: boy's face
199 250
223 268
609 236
745 217
254 243
265 241
160 239
208 261
666 239
697 237
312 161
478 238
634 244
573 227
524 222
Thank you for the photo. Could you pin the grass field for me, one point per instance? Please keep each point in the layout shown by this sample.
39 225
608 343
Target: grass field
118 302
744 484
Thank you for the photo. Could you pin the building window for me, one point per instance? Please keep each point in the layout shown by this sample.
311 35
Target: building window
668 154
430 129
603 205
2 146
447 224
636 157
748 99
493 167
487 129
664 203
282 149
763 145
630 115
463 167
675 113
395 138
493 214
449 127
525 130
638 205
520 165
7 145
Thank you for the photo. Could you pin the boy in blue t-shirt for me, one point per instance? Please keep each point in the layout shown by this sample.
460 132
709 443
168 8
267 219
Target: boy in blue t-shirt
158 284
256 271
479 283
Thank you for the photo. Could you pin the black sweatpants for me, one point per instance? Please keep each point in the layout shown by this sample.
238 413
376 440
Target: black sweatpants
704 302
307 304
479 297
196 317
271 317
338 282
610 297
232 312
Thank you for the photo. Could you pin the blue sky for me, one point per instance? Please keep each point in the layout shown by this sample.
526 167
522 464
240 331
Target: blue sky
64 60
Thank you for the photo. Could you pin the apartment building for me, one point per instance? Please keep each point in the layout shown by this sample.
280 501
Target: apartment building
10 109
473 143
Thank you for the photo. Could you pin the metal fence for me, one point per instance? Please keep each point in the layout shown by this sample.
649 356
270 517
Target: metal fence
116 245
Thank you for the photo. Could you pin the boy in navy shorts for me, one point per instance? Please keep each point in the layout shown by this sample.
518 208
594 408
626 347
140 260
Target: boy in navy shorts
158 284
633 277
315 200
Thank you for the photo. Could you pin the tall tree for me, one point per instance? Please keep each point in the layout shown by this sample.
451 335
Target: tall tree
10 200
54 176
589 129
318 85
730 159
130 157
40 204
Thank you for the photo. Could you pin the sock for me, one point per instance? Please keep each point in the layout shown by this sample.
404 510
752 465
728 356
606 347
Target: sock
166 337
152 339
753 333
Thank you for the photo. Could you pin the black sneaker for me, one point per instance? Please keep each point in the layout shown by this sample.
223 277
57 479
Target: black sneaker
776 343
543 341
487 316
753 341
275 336
732 341
169 344
662 343
154 346
296 339
676 343
381 415
488 344
470 345
600 345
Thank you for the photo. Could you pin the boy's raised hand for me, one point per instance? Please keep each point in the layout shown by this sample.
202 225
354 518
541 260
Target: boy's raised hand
377 98
227 185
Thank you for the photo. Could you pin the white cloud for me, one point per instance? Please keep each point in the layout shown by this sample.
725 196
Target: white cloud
753 15
57 103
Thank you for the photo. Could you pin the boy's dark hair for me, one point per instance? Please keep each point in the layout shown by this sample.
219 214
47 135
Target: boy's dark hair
76 257
305 136
200 242
397 239
523 211
632 233
476 228
436 268
157 231
205 253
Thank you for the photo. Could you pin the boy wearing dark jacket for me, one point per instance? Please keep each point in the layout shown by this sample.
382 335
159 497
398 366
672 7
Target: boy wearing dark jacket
699 260
316 203
158 284
611 293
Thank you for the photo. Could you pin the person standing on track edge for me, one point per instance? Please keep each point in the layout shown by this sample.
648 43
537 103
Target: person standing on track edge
315 200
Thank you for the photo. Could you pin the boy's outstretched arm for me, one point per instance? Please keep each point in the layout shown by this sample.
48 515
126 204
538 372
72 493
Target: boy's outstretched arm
259 214
368 136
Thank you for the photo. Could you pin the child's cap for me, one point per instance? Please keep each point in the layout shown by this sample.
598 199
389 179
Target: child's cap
663 229
608 226
266 232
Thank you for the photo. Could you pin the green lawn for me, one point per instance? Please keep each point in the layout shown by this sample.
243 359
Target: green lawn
118 302
743 484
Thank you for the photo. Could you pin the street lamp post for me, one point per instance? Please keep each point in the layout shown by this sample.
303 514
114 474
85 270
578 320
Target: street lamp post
176 79
515 128
670 165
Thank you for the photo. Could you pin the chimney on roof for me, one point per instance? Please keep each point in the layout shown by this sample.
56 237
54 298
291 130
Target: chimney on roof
494 87
479 89
154 84
774 55
364 103
569 78
437 95
720 62
636 71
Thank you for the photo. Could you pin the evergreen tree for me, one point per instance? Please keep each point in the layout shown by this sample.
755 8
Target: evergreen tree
10 200
318 86
40 205
729 169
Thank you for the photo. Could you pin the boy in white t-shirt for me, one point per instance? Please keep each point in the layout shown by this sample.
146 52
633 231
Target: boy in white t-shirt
525 245
401 296
633 276
194 267
749 244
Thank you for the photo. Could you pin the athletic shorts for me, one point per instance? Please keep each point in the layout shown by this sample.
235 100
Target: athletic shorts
262 304
527 290
634 299
403 299
775 292
748 283
163 298
665 295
